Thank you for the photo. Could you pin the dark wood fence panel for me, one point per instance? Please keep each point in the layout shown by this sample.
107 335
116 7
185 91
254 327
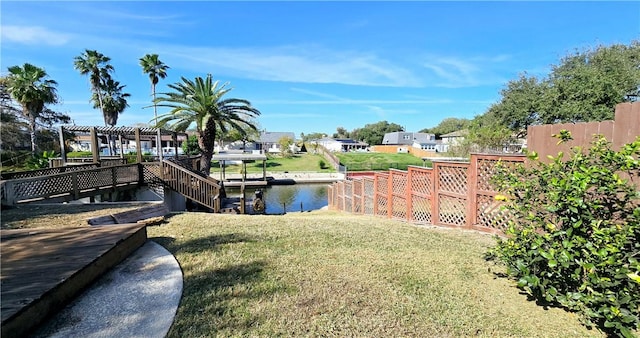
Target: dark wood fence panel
624 129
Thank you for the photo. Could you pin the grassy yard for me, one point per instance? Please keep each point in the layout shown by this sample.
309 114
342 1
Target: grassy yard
335 275
275 163
378 161
328 274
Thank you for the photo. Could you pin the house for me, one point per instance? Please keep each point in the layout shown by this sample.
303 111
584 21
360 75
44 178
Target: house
341 145
451 140
422 141
269 141
82 142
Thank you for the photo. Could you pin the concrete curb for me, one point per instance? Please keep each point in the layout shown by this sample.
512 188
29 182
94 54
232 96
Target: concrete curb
137 298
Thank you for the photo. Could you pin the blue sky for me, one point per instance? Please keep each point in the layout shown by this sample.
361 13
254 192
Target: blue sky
313 66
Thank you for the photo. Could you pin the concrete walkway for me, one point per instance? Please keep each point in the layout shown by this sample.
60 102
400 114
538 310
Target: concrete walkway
137 298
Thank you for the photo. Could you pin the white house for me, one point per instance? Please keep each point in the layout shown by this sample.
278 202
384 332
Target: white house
451 140
341 145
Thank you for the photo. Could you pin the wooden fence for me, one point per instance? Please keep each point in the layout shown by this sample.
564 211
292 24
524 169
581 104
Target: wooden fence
624 129
452 194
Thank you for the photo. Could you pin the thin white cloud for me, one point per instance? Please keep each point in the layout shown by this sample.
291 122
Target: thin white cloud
351 102
455 72
31 35
301 64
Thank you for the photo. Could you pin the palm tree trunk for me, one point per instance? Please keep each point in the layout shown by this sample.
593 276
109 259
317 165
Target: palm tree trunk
32 132
99 92
155 114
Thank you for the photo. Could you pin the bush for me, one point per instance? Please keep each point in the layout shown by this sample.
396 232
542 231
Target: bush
574 239
322 164
40 161
79 154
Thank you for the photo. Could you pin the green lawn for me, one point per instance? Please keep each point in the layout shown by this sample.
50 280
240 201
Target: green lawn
378 161
326 274
275 163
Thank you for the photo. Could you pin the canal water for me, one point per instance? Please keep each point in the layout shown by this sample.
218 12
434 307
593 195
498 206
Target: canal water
288 198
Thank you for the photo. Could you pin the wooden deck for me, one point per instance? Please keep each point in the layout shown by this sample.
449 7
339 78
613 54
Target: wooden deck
44 269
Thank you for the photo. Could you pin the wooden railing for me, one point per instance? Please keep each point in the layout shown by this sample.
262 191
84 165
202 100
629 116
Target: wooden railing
451 194
70 185
78 181
203 190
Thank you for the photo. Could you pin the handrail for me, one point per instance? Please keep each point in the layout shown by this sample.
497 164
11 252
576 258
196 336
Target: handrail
73 184
203 190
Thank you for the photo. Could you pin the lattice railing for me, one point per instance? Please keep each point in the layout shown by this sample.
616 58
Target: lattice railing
488 212
381 203
357 196
47 171
73 185
398 194
421 188
450 194
369 193
348 196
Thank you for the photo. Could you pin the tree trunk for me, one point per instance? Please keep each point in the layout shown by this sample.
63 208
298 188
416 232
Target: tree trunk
32 132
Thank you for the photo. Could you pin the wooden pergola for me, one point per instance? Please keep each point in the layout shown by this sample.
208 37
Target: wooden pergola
120 132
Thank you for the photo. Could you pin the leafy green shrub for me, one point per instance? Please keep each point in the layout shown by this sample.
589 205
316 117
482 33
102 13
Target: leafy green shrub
40 161
77 154
322 164
574 239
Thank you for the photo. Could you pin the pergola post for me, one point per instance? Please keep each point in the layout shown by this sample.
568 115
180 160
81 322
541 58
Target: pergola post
121 150
174 137
159 142
138 146
63 153
94 145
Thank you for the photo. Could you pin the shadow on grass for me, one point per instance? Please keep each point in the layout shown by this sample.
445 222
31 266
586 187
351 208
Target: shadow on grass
201 244
268 165
215 292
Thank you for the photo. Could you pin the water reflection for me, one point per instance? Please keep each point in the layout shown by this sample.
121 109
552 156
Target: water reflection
289 198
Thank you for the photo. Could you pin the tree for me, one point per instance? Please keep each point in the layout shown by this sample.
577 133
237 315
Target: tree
524 103
585 86
313 136
114 101
341 132
156 70
448 125
285 144
201 102
97 66
30 87
246 135
374 133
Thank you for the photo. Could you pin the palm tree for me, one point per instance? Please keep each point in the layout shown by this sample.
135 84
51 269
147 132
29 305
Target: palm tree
114 101
30 87
156 70
201 102
97 66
